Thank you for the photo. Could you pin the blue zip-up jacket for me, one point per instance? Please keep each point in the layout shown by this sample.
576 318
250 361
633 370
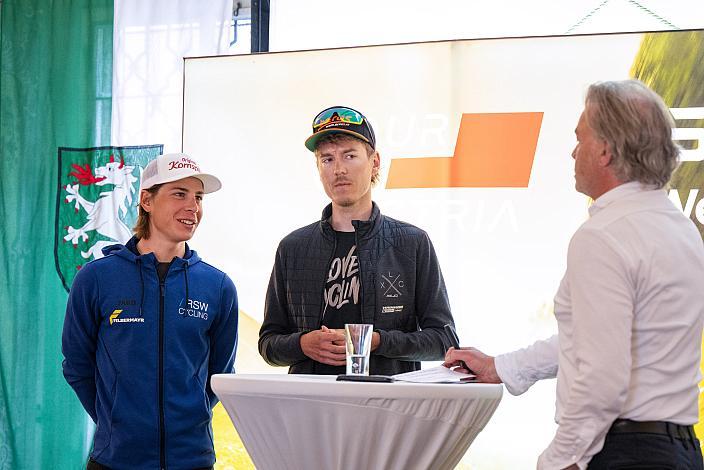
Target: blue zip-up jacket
140 361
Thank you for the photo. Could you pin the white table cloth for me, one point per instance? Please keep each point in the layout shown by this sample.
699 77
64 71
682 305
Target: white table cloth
309 422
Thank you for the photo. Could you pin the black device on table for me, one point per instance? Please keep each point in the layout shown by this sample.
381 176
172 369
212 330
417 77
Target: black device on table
365 378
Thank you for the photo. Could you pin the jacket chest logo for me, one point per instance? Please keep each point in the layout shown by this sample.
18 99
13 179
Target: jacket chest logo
194 308
392 285
115 318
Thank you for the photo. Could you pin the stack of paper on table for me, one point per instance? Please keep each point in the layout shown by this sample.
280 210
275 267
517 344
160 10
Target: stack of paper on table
439 374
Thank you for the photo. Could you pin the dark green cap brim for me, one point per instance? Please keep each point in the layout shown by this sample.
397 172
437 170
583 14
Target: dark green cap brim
312 141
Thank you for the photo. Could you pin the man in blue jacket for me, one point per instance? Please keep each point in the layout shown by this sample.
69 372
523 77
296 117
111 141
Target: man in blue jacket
354 265
147 326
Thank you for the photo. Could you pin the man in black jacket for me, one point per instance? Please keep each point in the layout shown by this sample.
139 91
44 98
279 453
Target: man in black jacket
355 265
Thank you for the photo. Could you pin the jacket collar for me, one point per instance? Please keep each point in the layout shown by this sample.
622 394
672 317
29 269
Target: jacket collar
129 251
364 228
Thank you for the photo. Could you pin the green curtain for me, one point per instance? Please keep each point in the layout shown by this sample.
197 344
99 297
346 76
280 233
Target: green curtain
55 90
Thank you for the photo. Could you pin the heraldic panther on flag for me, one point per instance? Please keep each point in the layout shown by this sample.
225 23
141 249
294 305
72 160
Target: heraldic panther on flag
96 203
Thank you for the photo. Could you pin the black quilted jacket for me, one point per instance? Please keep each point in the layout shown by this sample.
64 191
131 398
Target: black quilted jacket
402 290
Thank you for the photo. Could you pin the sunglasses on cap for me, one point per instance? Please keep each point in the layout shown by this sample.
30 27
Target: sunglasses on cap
338 114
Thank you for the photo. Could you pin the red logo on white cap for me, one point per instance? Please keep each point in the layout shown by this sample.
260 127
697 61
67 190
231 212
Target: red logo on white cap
183 163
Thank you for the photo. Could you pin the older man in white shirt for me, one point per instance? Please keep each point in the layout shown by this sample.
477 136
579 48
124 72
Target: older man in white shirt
630 307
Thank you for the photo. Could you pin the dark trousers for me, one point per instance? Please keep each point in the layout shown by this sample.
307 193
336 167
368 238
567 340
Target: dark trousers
648 451
93 465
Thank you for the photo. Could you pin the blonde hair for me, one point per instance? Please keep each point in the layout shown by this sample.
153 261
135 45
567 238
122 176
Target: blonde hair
141 227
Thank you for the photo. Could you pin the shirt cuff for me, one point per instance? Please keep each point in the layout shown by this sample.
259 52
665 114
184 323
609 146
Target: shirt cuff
550 459
509 372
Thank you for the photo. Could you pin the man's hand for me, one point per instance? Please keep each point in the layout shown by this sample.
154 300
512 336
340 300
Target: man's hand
325 346
376 339
481 364
340 331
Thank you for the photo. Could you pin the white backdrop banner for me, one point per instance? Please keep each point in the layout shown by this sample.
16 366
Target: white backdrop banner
475 140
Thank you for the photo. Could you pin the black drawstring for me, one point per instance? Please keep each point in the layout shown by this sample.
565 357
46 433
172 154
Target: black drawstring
141 282
185 277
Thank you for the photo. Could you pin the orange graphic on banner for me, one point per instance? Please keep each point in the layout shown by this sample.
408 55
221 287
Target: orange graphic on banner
493 150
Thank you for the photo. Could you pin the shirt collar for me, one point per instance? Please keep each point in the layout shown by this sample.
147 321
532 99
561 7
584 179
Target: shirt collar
619 192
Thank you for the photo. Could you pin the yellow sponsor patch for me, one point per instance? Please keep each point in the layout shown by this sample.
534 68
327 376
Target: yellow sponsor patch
114 315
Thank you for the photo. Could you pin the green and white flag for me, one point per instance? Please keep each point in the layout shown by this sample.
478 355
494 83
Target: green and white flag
96 202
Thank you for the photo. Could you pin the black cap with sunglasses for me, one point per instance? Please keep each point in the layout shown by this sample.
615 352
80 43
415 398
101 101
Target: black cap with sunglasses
341 120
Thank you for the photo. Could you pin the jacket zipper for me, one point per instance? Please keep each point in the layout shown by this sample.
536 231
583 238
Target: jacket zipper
325 282
361 279
162 434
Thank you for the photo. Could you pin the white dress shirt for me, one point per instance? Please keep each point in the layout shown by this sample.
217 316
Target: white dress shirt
630 312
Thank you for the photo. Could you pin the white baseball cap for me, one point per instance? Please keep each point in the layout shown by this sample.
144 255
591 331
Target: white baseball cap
173 167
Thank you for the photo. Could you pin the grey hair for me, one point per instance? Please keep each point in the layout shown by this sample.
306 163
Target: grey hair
637 125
